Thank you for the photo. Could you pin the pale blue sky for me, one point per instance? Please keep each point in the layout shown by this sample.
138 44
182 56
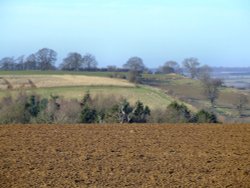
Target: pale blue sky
217 32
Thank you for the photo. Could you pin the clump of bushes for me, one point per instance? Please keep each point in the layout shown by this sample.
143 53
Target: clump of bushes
33 108
179 113
205 117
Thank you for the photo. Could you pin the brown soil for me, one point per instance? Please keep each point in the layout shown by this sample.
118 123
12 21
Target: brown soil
128 155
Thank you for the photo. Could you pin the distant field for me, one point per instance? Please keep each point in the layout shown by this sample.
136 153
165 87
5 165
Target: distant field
38 72
44 81
75 86
125 155
235 79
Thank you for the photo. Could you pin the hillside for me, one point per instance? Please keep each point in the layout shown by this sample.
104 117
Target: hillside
157 91
75 86
191 92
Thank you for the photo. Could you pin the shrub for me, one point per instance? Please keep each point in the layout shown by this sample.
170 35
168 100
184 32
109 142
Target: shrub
178 113
157 116
205 117
34 105
88 115
13 110
125 113
69 112
48 114
103 105
140 113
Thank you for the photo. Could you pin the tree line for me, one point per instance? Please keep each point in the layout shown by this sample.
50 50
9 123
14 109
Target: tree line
45 58
32 108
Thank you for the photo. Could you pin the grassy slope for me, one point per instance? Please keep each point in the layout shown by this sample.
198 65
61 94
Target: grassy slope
152 97
191 91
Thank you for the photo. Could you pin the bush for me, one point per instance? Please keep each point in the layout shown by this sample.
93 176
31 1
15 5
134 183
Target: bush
48 114
157 116
104 105
69 112
178 113
34 105
13 110
140 113
88 115
205 117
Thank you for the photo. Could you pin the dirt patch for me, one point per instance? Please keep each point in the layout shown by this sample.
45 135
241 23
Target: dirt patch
130 155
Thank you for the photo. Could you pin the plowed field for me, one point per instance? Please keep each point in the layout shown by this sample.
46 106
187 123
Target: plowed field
127 155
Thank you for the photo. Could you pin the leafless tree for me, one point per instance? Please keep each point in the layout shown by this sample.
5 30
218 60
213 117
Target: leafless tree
46 58
89 61
191 64
7 63
241 103
72 62
135 64
211 89
30 63
19 63
204 72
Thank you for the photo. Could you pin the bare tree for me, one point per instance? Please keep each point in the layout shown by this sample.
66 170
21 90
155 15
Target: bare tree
89 61
204 72
30 63
72 62
241 104
19 63
46 58
168 67
191 64
211 89
7 63
135 64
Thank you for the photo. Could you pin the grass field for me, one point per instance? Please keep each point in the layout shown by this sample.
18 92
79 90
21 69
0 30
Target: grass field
46 81
75 86
154 98
38 72
125 156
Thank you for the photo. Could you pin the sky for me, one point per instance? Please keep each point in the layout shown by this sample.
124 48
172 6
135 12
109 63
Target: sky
217 32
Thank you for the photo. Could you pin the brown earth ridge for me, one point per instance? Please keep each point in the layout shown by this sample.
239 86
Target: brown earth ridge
125 155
